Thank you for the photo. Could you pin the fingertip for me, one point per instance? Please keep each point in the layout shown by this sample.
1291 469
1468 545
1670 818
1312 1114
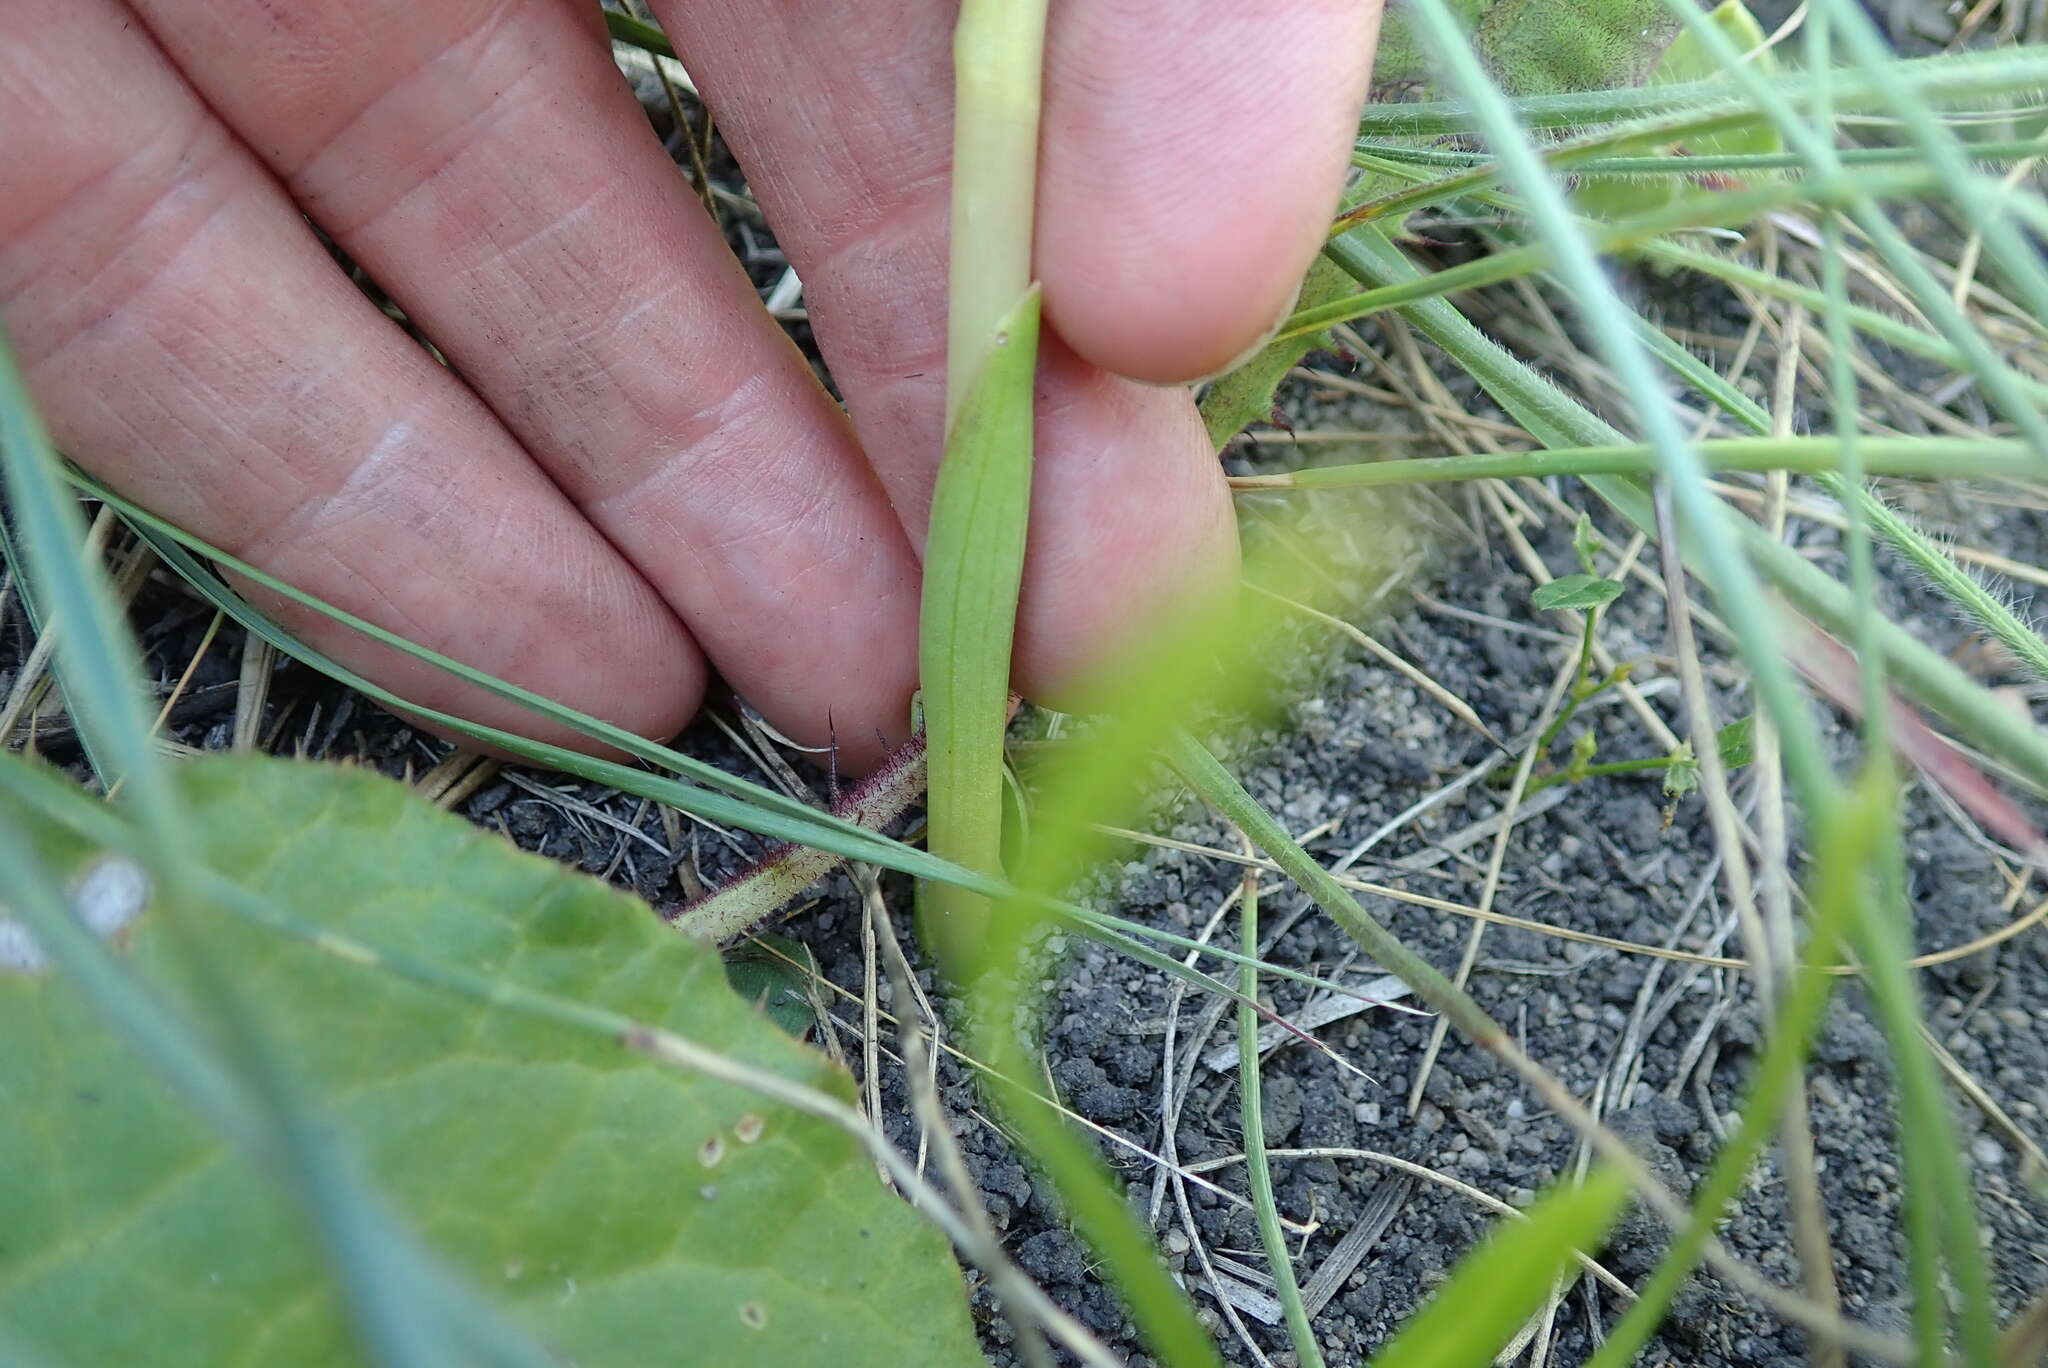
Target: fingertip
1191 166
1140 323
1139 533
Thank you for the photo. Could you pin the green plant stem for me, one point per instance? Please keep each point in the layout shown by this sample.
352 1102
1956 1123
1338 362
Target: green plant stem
1700 209
1955 77
1257 1171
1970 458
1676 164
1600 771
998 75
1905 336
1948 576
1575 155
1578 693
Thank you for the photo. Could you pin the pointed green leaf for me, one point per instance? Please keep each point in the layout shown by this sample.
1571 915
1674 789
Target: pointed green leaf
1578 592
617 1208
1686 60
974 564
1502 1283
1737 741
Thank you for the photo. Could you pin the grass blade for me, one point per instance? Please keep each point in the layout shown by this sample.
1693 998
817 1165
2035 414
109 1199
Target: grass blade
1502 1284
974 564
1930 457
1258 1172
1957 78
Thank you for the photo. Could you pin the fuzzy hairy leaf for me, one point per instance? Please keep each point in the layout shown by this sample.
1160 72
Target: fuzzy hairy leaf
1683 62
617 1209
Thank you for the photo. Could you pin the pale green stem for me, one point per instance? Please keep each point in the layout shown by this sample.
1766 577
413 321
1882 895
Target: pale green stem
974 547
1935 457
998 71
1969 77
1703 209
1673 164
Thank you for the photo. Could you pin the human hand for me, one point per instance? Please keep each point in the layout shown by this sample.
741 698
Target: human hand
626 471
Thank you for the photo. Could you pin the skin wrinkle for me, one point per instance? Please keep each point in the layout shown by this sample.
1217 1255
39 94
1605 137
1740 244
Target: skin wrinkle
44 267
329 53
163 236
167 244
550 388
382 497
257 370
379 604
548 294
712 446
887 61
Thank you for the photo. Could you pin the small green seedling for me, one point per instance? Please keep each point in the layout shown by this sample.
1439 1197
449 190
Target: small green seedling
1587 593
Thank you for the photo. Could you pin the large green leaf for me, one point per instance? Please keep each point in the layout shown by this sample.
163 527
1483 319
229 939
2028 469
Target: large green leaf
625 1212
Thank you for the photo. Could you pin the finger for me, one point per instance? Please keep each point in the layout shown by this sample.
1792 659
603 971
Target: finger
191 342
1214 136
840 111
488 167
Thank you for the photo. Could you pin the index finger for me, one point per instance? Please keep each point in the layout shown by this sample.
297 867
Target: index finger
1192 157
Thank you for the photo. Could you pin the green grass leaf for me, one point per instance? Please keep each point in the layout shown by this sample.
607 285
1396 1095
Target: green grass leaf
610 1204
1502 1283
974 563
1949 80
